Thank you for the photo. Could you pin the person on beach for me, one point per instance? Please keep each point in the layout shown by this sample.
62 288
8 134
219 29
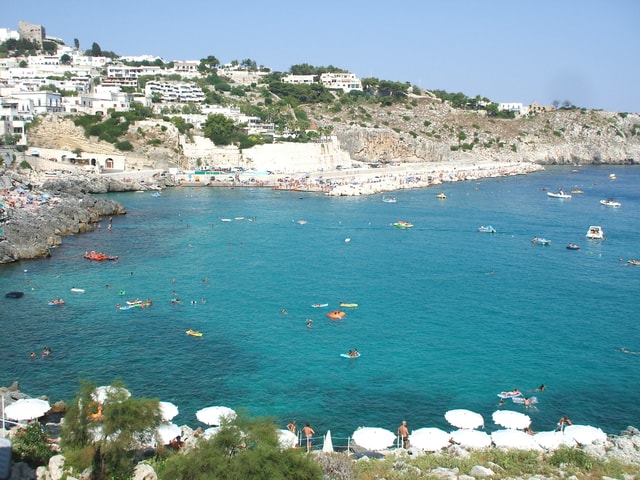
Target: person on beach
403 434
563 422
308 433
292 426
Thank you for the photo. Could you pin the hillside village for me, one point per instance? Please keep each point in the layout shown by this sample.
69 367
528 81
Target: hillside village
308 119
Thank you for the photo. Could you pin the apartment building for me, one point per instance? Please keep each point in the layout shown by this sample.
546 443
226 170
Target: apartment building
175 91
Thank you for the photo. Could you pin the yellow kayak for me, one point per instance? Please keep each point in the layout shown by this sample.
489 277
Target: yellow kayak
194 333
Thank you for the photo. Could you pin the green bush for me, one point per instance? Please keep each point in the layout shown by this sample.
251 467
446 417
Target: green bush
30 445
25 165
124 146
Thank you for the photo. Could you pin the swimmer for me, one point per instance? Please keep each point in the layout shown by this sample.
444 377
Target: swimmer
309 323
539 389
283 311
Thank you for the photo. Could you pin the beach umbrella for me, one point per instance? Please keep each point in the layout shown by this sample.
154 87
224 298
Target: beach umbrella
512 438
373 438
168 411
287 439
464 418
511 419
471 438
27 409
553 440
167 432
585 434
327 445
429 439
210 432
101 394
215 415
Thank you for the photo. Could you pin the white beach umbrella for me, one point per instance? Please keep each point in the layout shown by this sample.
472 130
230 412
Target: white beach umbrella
471 438
553 440
429 439
210 432
512 438
287 439
511 419
215 415
462 418
327 445
585 434
27 409
168 411
101 394
167 432
373 438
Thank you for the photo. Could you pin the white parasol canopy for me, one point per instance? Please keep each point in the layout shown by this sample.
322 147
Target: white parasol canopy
215 415
210 432
168 411
429 439
287 439
101 394
327 445
511 419
373 438
553 440
464 418
511 438
27 409
585 434
167 432
471 438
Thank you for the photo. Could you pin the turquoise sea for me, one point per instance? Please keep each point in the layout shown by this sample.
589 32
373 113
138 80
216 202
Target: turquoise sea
447 318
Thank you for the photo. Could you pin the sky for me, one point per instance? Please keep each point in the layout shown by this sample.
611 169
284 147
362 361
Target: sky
586 52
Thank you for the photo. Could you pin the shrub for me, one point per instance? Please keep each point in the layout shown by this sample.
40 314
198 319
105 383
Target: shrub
124 146
30 446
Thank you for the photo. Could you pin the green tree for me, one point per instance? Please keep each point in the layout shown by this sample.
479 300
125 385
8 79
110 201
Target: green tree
105 436
242 448
30 446
96 51
208 65
76 43
65 59
219 129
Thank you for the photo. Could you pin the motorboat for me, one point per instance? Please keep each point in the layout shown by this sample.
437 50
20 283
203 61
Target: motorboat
559 194
540 241
609 202
612 176
573 246
403 224
633 262
99 256
486 229
441 196
595 232
14 294
389 199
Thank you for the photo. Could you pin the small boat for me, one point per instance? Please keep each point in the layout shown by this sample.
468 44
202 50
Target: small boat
573 246
633 262
403 224
99 256
193 333
14 294
595 232
348 305
441 196
389 199
302 222
77 290
577 192
612 176
609 202
56 301
351 354
336 315
540 241
319 305
486 229
155 194
225 219
559 194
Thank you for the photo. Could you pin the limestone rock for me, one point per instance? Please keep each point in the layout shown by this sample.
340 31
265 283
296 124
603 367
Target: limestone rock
144 471
480 471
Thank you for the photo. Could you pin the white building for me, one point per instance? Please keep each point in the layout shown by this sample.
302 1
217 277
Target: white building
11 120
175 91
300 79
38 103
341 81
517 108
6 34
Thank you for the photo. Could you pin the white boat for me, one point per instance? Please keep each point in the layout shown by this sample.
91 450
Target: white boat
389 199
612 176
610 202
540 241
486 229
559 194
595 232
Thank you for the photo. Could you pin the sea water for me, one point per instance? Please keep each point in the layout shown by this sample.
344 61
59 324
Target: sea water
447 317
